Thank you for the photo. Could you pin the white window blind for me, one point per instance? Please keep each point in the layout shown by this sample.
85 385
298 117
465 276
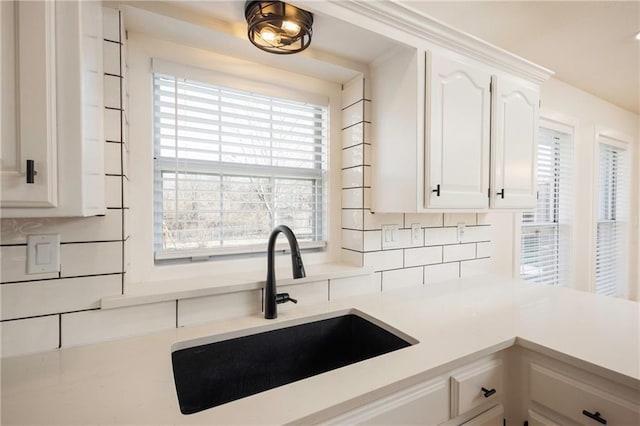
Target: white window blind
545 255
230 165
613 190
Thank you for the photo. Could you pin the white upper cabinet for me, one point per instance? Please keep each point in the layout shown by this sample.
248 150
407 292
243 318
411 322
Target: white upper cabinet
515 111
28 104
458 117
52 109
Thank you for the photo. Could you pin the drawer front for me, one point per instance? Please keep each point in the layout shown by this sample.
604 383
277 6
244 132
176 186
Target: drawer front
422 404
492 417
537 419
479 385
579 401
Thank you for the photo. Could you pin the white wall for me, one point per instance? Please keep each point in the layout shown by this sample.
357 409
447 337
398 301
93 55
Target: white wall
589 116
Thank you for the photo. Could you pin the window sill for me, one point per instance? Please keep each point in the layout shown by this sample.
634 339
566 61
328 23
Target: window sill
161 291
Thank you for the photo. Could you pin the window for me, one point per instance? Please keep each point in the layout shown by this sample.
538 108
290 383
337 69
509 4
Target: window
546 232
230 165
613 187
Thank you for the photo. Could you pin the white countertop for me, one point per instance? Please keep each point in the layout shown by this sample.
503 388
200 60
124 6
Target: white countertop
131 381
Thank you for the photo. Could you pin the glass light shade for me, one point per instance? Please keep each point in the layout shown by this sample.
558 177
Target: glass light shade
278 27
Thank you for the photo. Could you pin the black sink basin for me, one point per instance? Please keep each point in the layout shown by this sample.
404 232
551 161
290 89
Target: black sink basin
215 373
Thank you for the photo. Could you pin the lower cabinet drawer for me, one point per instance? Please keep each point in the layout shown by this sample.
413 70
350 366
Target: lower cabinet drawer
537 419
492 417
477 385
579 401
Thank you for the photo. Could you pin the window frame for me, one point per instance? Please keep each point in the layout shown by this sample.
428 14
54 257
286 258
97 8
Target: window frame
621 142
559 227
225 169
138 250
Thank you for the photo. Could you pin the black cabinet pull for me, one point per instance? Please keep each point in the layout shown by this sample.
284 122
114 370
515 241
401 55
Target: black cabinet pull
31 171
595 416
488 392
501 194
437 190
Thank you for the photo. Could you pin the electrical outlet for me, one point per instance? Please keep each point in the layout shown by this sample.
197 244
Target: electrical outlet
390 236
43 253
461 228
416 234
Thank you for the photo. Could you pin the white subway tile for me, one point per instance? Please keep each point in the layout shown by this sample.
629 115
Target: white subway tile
472 268
366 194
352 198
483 250
93 228
404 239
90 258
353 156
452 219
353 177
422 256
426 220
14 265
376 220
349 257
80 328
305 294
111 24
354 286
401 278
46 297
112 91
199 310
352 218
353 91
477 233
29 335
113 191
459 252
372 240
441 272
111 58
352 240
112 158
439 236
353 114
112 125
384 260
353 135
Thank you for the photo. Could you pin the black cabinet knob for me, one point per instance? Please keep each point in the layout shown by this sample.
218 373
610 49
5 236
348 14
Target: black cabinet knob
488 392
595 416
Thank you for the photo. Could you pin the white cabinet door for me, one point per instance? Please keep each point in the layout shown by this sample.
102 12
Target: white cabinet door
515 109
423 404
28 104
458 120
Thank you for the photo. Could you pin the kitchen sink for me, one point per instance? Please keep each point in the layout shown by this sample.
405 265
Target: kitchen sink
208 374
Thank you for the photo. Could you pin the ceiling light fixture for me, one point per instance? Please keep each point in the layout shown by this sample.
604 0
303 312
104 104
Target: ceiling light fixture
278 27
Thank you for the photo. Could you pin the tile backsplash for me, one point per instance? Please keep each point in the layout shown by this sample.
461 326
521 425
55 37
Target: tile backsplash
437 253
47 311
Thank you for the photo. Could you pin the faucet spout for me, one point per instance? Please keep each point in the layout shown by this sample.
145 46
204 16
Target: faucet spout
271 298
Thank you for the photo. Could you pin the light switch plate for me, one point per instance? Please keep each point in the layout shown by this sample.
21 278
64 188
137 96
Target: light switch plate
416 234
461 228
390 237
43 253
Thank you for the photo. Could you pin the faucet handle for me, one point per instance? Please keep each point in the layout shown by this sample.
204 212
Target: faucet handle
284 297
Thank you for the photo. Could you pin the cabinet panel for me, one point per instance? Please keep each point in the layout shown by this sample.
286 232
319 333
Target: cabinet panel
492 417
480 384
28 103
515 109
577 400
537 419
425 403
458 135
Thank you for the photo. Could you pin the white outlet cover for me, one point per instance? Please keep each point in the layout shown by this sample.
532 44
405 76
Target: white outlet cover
390 237
416 234
43 253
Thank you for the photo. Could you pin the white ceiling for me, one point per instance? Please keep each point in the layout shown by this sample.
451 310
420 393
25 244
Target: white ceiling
588 44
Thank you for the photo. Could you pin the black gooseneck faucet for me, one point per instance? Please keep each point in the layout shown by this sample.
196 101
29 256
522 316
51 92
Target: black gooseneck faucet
271 297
